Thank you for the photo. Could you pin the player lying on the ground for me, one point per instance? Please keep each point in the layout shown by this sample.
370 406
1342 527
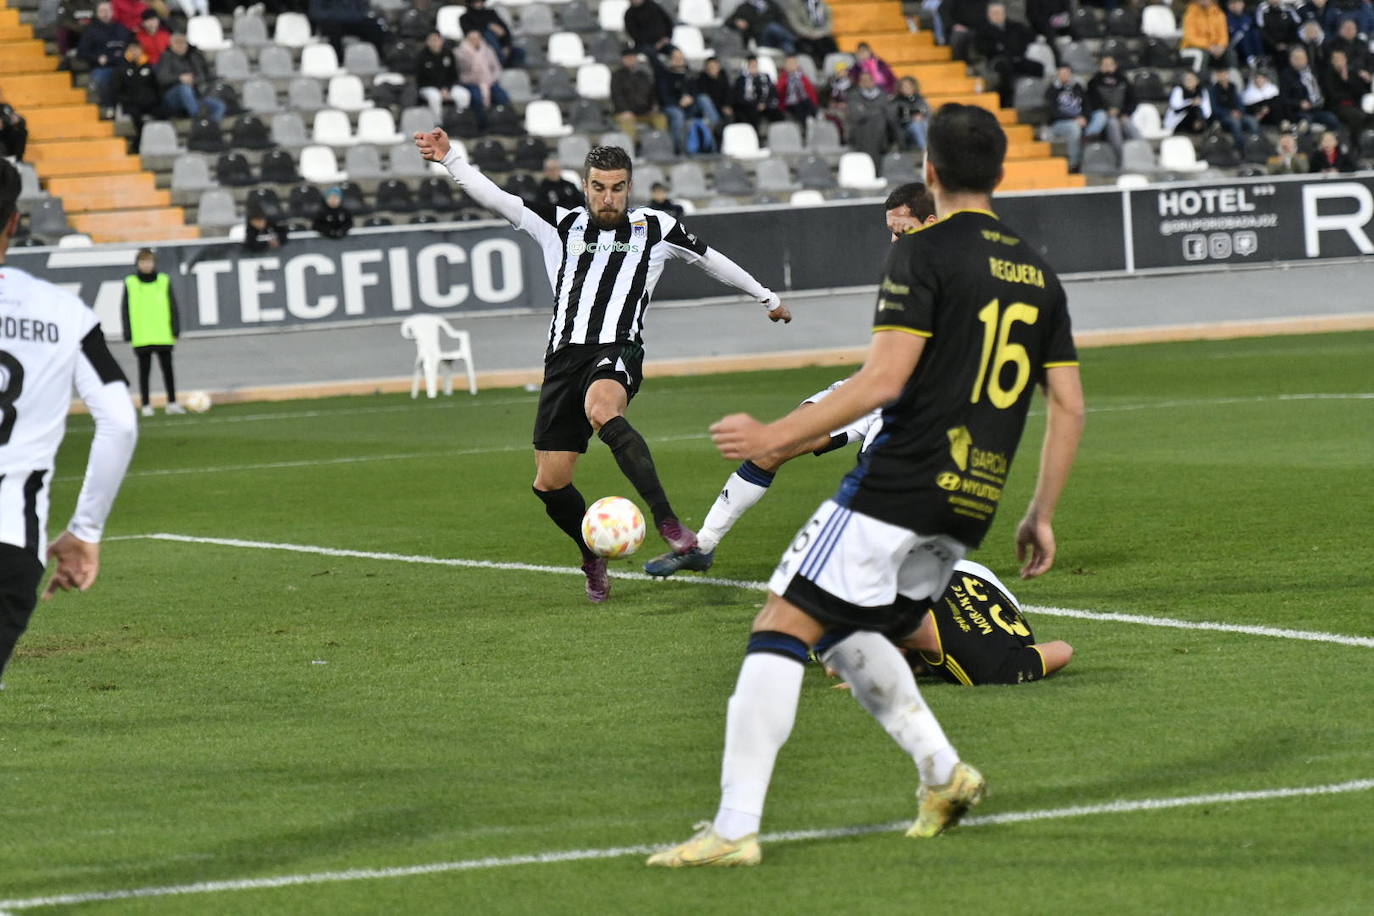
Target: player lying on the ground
602 260
906 209
975 634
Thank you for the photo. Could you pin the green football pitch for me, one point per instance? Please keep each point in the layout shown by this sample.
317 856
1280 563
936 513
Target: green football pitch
336 662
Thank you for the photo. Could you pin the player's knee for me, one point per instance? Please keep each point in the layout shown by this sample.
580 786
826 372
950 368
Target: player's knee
599 413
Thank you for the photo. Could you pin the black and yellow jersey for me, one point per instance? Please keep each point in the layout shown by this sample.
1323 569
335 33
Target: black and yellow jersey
982 636
996 318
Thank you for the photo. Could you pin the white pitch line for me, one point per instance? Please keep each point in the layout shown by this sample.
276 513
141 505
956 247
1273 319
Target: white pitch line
1142 620
1223 402
617 852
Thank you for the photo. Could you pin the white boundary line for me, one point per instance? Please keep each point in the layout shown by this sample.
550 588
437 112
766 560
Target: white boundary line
617 852
1143 620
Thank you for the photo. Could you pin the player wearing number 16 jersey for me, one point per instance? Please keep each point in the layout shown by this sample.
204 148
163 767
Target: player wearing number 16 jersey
968 321
50 342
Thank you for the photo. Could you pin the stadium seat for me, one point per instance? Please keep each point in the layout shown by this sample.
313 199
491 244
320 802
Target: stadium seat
530 154
576 17
190 173
361 59
687 180
688 39
404 161
767 66
646 176
573 150
318 60
1040 52
504 122
537 20
806 198
446 21
206 137
732 179
525 187
490 156
555 84
1219 151
1130 180
416 119
1124 22
616 138
1029 98
305 201
836 59
204 32
1078 57
1125 53
741 141
1157 21
250 32
376 126
610 15
1138 156
656 146
288 130
48 219
373 222
401 56
1085 24
436 194
276 63
292 30
1176 154
319 165
232 64
1148 86
517 85
226 93
772 175
463 124
232 170
899 168
75 240
415 24
1367 103
1099 159
543 118
260 96
1146 120
700 13
1160 53
216 209
159 139
604 47
589 117
332 128
278 167
822 136
858 172
395 196
249 132
784 138
814 172
353 200
594 81
31 190
1258 147
363 162
346 93
264 201
565 50
430 354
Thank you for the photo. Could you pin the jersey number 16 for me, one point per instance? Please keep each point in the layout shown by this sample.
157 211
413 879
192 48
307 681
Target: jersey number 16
998 351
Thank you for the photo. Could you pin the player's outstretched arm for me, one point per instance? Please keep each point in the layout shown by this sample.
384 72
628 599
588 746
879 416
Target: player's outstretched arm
731 274
1055 654
434 145
892 357
1035 545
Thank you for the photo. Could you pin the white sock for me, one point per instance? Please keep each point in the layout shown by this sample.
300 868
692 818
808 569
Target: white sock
883 684
760 718
737 497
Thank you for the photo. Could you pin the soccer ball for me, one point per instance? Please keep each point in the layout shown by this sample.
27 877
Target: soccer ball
197 402
613 527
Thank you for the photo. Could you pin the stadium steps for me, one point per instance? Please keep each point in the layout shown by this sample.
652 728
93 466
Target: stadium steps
883 25
104 190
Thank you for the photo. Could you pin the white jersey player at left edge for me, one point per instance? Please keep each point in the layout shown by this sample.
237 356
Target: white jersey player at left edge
50 342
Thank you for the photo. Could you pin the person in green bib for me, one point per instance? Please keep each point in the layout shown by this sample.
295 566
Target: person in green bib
151 325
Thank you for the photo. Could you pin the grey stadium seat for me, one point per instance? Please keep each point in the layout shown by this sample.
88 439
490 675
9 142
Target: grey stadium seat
732 179
814 172
537 19
899 168
217 210
305 95
406 162
29 188
589 117
289 130
232 64
191 173
555 84
260 96
687 180
48 220
616 138
159 139
573 150
773 175
419 118
656 146
1138 156
517 85
250 32
361 59
784 137
645 176
823 137
1099 159
275 63
576 17
363 162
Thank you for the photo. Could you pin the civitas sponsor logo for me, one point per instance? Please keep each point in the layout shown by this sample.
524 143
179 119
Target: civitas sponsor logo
579 247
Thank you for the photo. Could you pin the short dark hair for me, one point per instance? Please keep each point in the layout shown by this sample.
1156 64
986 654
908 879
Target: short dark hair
914 195
608 159
9 191
145 253
966 146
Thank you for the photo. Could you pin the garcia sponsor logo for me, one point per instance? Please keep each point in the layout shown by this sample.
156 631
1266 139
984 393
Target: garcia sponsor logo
578 247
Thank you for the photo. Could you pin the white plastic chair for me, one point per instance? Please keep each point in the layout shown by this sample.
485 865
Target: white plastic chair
425 330
205 33
1132 180
1157 21
700 13
319 61
741 141
378 127
857 171
1176 154
688 39
566 50
318 165
346 93
610 15
292 30
807 198
446 22
544 118
75 240
1146 120
594 81
331 128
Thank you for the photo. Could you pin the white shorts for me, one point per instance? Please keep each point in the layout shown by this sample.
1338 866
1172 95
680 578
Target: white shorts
847 569
861 430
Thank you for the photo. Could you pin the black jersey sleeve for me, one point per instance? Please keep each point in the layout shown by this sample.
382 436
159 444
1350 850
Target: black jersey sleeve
679 237
1059 346
544 210
908 293
1018 666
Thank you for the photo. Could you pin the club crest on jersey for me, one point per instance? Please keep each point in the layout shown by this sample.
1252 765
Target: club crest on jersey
639 227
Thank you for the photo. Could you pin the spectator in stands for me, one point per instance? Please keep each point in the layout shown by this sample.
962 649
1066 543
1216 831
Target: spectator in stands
910 113
865 61
1344 89
649 26
1300 89
1288 161
1262 102
683 104
1330 157
797 97
1347 39
72 21
1204 28
1111 100
495 30
1278 24
659 200
1050 18
1067 102
261 234
182 75
1002 44
810 21
1228 109
478 71
713 81
1359 10
136 91
437 79
755 98
129 13
1190 106
963 19
1312 40
1245 34
633 96
1324 13
762 21
153 36
333 221
334 19
868 123
555 190
14 133
102 46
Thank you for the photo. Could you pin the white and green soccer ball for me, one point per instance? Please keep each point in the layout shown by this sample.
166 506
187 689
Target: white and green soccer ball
613 527
196 402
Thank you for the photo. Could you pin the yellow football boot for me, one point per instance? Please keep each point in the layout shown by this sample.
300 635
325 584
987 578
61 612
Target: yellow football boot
709 848
942 806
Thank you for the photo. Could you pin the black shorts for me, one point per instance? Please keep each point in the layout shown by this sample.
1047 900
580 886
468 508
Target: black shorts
20 574
561 424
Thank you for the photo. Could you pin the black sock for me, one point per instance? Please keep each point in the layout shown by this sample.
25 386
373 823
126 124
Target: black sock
566 507
632 454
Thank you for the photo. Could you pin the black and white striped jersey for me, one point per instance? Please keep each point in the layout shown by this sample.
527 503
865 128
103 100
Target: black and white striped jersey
51 342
